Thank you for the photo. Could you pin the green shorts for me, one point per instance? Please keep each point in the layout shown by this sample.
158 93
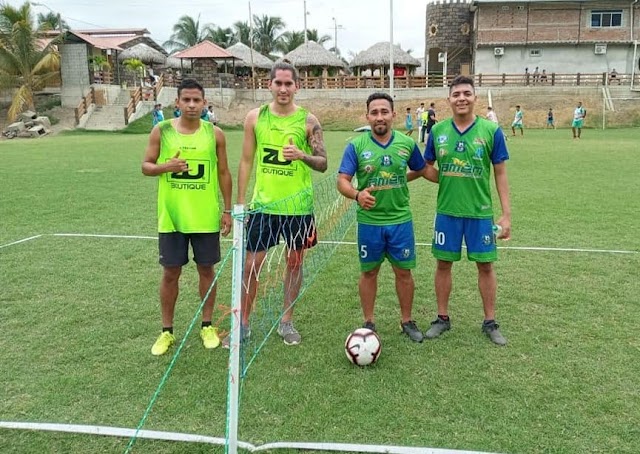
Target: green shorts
577 123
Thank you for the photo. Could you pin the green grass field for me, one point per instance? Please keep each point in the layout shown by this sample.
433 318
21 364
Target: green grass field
79 315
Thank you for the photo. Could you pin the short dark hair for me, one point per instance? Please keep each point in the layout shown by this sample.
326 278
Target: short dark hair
379 95
462 80
433 104
284 66
188 84
518 106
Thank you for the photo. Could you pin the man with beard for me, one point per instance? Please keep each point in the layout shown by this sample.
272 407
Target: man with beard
379 159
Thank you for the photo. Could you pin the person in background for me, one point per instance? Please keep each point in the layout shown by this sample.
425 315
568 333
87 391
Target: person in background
579 114
518 122
419 112
212 116
408 122
551 122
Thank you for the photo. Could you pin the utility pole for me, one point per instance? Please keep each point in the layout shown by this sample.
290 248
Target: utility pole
305 21
391 68
335 35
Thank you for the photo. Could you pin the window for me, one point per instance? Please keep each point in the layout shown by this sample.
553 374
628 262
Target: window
535 53
606 18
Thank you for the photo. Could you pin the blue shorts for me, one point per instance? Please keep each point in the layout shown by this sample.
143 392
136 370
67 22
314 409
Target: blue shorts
396 242
448 232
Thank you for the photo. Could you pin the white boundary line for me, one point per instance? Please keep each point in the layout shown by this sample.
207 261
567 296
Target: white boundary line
341 243
20 241
193 438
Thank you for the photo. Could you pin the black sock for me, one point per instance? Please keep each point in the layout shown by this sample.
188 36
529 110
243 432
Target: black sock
443 317
488 322
167 329
205 324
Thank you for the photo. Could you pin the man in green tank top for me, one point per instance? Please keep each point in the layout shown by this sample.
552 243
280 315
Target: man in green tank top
286 143
190 158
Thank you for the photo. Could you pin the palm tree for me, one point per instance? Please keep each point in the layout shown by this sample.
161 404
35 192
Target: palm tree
313 35
136 67
243 32
223 37
25 64
290 41
51 21
267 33
187 32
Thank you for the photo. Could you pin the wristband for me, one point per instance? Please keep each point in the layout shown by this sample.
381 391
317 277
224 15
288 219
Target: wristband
356 197
227 211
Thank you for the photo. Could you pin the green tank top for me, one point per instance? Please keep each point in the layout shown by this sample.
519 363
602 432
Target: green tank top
188 201
282 187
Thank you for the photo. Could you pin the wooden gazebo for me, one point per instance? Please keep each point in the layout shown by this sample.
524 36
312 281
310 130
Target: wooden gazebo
378 57
206 58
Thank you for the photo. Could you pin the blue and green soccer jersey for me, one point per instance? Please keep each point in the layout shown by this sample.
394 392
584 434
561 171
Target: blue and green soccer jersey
384 168
464 166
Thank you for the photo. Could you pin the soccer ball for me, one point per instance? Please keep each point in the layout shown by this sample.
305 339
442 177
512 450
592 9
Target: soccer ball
363 347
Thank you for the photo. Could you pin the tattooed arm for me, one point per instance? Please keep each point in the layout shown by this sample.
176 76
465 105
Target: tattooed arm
317 160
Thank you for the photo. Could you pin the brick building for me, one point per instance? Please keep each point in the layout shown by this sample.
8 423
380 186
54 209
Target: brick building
561 36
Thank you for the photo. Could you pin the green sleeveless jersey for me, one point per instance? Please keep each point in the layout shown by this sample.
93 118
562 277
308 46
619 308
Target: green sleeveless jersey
188 201
281 187
383 168
464 165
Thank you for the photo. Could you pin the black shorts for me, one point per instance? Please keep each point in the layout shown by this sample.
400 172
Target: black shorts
264 231
429 126
174 248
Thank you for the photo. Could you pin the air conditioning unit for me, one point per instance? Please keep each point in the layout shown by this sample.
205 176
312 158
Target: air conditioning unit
498 51
600 49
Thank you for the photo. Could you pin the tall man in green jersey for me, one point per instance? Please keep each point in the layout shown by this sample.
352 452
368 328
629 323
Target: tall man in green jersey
466 147
190 158
379 159
287 144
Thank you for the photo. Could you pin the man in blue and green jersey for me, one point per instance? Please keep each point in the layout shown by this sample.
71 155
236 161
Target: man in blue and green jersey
379 159
579 115
466 147
287 144
189 156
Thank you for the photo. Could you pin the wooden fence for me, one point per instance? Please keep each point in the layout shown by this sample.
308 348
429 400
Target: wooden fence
83 107
130 108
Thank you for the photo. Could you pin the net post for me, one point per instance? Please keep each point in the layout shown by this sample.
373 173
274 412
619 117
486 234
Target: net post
233 386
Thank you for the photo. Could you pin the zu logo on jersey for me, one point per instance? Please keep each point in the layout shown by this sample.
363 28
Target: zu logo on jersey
199 170
271 157
187 176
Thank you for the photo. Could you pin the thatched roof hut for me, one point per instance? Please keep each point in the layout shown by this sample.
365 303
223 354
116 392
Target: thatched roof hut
146 54
377 56
312 54
243 52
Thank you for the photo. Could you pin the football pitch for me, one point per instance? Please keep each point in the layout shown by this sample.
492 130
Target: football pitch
79 312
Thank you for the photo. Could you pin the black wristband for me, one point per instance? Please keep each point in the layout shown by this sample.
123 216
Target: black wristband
356 197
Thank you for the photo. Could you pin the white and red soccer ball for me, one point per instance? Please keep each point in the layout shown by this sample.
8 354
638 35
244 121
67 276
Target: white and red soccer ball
363 347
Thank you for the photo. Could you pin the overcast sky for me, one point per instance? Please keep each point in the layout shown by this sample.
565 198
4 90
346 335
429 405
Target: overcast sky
363 22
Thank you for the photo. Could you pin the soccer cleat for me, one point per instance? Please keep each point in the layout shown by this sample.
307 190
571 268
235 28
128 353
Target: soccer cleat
438 326
209 336
411 329
246 335
162 344
493 333
289 334
369 325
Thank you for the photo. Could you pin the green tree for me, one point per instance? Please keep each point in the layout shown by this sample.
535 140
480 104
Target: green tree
51 21
243 32
313 35
25 64
267 33
136 67
187 32
223 37
290 41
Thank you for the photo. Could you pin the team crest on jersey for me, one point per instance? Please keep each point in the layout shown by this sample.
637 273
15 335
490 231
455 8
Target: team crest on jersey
442 139
369 168
478 153
406 253
460 145
487 240
367 154
386 161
